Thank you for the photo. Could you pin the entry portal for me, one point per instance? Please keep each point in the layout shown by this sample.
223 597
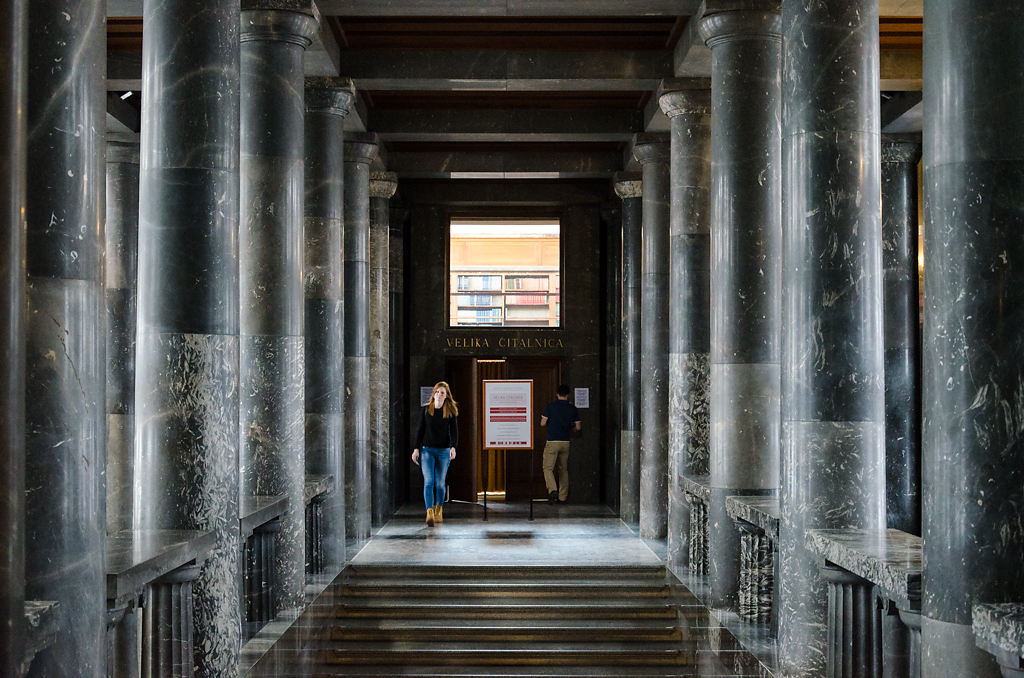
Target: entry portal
508 474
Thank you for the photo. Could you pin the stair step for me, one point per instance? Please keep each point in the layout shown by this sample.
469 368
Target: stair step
391 654
476 634
478 671
506 573
430 609
452 590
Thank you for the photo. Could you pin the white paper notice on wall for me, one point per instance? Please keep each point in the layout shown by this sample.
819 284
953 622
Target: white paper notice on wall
581 398
425 393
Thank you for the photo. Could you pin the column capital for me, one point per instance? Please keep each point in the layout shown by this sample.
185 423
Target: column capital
651 147
293 21
685 96
900 149
123 151
361 147
724 20
383 184
330 95
629 185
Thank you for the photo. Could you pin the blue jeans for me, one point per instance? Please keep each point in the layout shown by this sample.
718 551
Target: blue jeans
434 463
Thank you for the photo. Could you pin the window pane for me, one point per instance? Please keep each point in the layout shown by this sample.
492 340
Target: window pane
505 273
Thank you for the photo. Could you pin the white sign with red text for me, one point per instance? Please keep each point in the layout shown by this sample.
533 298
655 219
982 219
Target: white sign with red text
508 414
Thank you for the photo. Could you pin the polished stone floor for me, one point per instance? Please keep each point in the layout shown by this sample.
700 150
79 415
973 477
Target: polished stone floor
558 535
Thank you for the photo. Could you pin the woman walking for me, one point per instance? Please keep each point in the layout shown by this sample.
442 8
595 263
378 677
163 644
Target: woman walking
437 437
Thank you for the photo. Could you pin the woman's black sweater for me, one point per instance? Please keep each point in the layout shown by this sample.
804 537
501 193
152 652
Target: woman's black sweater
436 431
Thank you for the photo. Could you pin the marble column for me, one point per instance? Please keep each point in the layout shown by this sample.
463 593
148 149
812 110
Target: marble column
902 334
833 419
274 36
973 349
327 103
13 63
360 150
687 103
611 287
629 187
186 380
120 272
398 354
65 422
652 152
382 187
746 59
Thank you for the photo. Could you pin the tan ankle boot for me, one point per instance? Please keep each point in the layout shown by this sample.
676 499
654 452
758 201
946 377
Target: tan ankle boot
437 514
430 517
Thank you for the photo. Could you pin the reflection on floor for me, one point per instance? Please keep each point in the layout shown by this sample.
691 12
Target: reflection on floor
572 593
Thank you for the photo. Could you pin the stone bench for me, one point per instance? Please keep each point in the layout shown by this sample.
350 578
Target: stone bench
152 570
868 571
757 518
999 630
316 491
258 524
697 490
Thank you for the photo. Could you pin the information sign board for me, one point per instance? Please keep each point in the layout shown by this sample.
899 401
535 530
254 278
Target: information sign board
508 414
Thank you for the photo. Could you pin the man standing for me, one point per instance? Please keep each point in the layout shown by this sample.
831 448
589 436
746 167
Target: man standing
560 417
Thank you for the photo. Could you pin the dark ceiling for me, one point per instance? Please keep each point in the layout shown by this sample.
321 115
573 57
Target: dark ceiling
511 96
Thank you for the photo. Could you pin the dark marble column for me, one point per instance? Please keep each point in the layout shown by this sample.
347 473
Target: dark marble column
327 104
167 624
629 187
382 187
13 64
973 349
687 103
360 150
652 152
398 354
274 36
186 383
746 59
902 334
122 251
833 418
611 293
65 422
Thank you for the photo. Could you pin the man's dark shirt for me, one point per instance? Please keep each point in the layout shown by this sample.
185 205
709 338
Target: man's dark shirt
561 415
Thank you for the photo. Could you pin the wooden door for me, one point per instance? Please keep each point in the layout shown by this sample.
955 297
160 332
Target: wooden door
546 374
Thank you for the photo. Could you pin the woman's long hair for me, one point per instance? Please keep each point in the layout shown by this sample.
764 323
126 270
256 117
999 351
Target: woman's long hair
450 407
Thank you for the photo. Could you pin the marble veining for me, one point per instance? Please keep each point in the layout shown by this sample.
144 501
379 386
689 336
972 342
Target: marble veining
762 511
756 576
890 559
1000 626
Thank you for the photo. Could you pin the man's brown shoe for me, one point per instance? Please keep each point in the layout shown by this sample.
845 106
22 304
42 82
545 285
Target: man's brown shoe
438 518
430 517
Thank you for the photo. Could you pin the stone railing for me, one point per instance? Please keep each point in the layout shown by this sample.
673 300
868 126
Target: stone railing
40 629
258 525
868 571
697 490
317 489
999 630
757 518
152 570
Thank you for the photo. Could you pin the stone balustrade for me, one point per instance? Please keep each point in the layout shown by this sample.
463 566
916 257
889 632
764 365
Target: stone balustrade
152 570
259 524
757 518
318 487
999 630
867 572
697 490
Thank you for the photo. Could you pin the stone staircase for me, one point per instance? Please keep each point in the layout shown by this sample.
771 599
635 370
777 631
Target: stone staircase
523 622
